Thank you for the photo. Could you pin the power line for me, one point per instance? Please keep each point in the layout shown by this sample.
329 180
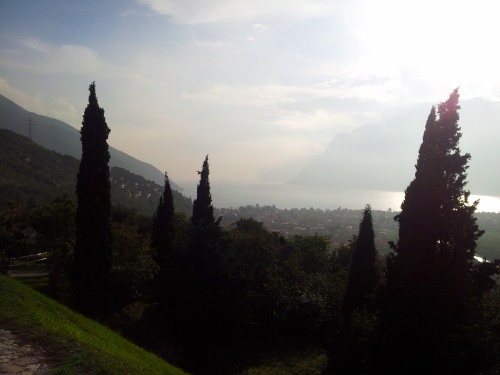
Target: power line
30 127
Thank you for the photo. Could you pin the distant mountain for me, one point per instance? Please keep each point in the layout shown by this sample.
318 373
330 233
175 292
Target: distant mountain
32 173
382 156
64 139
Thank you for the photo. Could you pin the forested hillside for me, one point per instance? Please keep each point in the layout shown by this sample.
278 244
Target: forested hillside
32 173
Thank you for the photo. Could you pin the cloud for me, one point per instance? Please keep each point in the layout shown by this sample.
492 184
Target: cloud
315 120
65 111
46 105
31 103
35 45
36 57
259 27
208 11
206 43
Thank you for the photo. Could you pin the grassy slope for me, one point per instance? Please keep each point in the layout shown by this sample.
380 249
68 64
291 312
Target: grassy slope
76 344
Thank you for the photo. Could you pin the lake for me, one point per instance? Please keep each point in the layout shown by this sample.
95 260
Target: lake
226 195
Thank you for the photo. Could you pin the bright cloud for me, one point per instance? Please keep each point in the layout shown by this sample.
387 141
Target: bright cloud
194 12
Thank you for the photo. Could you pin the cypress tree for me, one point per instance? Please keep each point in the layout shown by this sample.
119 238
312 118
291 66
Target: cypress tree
203 211
429 272
362 274
163 225
92 256
196 301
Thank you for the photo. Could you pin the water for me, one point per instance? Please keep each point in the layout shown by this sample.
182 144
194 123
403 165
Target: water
226 195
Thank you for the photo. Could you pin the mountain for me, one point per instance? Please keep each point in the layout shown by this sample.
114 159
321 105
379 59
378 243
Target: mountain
381 156
64 139
31 173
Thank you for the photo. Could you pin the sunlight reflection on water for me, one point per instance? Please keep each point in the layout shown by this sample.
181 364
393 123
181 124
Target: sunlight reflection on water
225 195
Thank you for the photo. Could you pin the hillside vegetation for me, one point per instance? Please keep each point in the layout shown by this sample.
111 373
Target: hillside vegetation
32 173
76 345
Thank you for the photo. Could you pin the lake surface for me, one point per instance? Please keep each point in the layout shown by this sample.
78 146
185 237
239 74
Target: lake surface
226 195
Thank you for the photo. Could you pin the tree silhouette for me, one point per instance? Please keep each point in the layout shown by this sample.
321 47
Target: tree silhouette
362 274
429 272
92 256
163 225
199 282
203 211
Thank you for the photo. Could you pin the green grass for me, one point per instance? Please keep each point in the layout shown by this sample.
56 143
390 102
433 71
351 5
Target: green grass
75 344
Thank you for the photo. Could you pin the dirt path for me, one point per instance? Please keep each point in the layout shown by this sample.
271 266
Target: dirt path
17 356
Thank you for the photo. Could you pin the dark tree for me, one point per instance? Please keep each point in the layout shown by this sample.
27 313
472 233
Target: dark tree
92 256
363 273
196 282
430 285
163 225
203 211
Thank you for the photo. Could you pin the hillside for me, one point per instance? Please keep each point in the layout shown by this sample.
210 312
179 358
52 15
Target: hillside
64 139
72 343
30 172
381 156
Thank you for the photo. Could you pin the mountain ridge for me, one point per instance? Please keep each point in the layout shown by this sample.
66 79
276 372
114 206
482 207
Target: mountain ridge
382 155
61 137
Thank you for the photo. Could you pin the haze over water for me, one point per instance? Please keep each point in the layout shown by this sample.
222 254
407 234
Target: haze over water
287 196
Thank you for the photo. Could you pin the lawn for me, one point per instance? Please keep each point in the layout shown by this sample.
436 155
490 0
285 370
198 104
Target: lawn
75 344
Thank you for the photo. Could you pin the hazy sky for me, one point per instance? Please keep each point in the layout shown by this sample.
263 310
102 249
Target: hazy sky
258 85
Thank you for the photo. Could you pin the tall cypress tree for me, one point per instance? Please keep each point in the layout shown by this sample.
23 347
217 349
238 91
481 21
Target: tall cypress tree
197 300
92 256
163 225
362 274
203 211
429 272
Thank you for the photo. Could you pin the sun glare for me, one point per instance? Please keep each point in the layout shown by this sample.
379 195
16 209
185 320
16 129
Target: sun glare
486 203
446 41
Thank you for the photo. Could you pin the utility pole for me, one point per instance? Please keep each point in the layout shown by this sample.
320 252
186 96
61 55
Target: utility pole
30 127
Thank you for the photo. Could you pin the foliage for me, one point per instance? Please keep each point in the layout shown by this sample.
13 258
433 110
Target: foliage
488 348
275 283
195 278
31 172
55 227
301 286
16 235
134 191
93 252
203 211
429 273
163 226
133 264
363 273
251 256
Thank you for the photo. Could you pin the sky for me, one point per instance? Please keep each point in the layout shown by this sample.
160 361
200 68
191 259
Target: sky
261 86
